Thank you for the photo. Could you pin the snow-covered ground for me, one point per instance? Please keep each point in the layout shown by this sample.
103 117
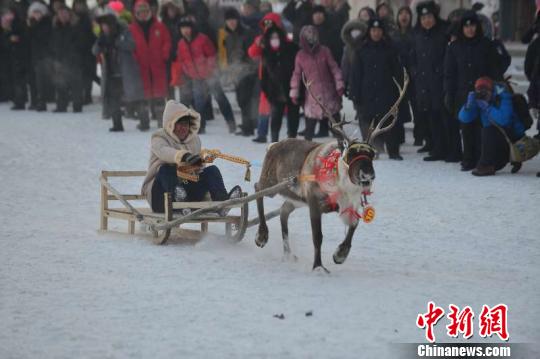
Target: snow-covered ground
69 291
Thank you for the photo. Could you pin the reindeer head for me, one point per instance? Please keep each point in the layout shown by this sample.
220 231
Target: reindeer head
357 156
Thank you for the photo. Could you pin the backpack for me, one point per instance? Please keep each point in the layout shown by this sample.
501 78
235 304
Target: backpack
520 106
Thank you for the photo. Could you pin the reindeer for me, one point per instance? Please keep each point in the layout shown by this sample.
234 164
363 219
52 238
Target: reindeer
345 193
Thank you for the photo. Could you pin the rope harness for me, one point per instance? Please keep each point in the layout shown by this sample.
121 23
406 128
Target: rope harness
189 173
326 173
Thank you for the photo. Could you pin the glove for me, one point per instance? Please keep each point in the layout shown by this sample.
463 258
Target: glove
471 99
483 105
191 159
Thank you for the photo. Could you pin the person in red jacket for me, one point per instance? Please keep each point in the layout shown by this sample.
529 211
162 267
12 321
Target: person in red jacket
197 57
152 50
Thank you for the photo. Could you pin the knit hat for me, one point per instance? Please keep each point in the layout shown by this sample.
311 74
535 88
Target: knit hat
484 83
426 7
37 6
117 6
231 13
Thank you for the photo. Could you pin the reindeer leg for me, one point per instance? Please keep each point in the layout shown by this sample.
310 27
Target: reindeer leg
262 235
342 251
286 209
316 232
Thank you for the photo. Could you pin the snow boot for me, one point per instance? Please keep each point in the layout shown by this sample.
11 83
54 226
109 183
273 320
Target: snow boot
235 192
482 171
232 126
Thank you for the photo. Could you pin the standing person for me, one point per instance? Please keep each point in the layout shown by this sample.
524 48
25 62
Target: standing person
375 67
255 53
240 70
427 61
14 41
277 68
121 76
88 38
352 35
171 14
68 60
385 13
40 33
532 71
468 58
197 56
315 62
152 51
404 40
298 12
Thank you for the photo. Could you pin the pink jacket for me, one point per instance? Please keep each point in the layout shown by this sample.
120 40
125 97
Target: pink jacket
319 68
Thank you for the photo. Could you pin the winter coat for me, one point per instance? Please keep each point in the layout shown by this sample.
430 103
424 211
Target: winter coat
466 61
532 70
277 67
14 43
166 147
88 39
237 64
40 35
118 60
373 88
197 57
68 50
299 14
320 69
427 66
351 46
500 111
329 36
152 54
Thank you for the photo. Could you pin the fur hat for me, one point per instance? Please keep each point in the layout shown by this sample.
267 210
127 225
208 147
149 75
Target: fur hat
37 6
427 7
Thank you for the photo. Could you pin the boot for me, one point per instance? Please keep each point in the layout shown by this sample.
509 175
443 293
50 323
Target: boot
482 171
467 166
516 166
433 158
232 126
424 149
143 125
117 123
235 192
41 107
259 139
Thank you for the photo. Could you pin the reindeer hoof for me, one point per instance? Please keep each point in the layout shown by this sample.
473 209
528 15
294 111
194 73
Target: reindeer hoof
321 270
261 239
340 255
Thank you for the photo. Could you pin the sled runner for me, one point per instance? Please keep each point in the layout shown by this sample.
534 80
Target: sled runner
161 224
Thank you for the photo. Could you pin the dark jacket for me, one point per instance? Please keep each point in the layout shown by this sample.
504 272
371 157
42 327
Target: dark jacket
532 70
68 50
118 60
426 63
40 34
299 14
373 88
466 61
351 46
277 66
236 44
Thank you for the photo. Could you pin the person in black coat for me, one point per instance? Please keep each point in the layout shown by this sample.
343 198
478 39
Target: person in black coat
532 71
375 66
468 58
427 59
298 12
14 44
278 60
68 53
88 38
40 34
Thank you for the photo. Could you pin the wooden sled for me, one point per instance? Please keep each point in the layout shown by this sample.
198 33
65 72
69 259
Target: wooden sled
161 224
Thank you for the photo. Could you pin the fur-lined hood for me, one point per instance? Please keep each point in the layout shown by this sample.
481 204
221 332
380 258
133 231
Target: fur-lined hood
353 25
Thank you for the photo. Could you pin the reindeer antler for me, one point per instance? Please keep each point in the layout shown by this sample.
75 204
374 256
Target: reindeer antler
336 127
393 112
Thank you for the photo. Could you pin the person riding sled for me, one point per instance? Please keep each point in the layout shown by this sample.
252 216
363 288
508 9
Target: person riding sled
503 137
177 163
